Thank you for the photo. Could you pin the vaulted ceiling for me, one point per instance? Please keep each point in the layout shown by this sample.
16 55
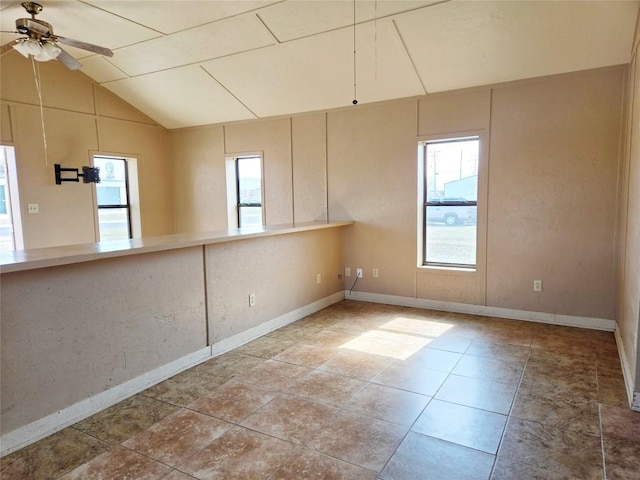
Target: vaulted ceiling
187 63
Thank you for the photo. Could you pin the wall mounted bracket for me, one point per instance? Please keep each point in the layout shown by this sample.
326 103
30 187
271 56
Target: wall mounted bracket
89 174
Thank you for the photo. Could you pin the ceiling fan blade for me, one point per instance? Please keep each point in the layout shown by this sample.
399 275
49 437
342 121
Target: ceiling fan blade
85 46
68 61
8 46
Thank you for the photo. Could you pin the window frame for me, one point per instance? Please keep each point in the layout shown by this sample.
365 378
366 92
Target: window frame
240 205
425 203
126 206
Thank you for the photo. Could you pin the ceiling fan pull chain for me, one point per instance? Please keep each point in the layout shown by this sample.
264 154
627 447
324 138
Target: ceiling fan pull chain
36 77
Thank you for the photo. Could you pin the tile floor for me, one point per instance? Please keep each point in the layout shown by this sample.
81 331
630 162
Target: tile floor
363 391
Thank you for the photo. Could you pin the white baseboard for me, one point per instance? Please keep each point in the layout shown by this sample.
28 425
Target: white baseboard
550 318
236 341
50 424
626 370
23 436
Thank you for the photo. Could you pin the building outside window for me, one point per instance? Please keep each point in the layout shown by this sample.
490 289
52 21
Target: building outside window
249 191
114 218
450 202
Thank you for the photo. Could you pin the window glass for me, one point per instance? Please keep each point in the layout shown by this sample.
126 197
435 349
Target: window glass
249 191
450 208
113 199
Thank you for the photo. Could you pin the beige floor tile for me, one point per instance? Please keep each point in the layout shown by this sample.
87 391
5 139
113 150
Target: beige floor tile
498 351
565 452
503 371
420 456
434 359
484 394
233 402
51 457
325 387
568 413
507 470
126 419
309 356
362 441
240 454
621 422
462 425
273 375
387 403
293 419
265 347
119 463
330 339
356 364
412 378
184 388
229 364
173 439
178 475
308 465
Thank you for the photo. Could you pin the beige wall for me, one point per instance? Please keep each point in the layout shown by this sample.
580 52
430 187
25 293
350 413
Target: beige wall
294 170
80 118
547 196
112 320
628 273
71 332
552 196
281 272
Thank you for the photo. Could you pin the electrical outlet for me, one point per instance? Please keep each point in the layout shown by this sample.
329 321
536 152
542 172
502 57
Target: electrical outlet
359 273
318 278
375 273
537 285
33 208
347 271
252 299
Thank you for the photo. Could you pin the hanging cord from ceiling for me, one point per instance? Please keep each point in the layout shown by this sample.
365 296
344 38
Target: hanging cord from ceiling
355 88
36 76
375 34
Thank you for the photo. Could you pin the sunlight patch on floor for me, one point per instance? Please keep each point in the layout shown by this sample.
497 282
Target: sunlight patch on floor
400 338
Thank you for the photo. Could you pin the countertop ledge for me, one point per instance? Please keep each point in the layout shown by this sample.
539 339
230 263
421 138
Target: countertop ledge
21 260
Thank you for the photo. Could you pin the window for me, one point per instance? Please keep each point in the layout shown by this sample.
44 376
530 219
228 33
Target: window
10 221
249 191
114 218
450 201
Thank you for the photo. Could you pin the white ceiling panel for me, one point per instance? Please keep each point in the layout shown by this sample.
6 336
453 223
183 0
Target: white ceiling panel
214 40
465 44
278 57
299 19
82 22
174 16
317 72
99 68
180 97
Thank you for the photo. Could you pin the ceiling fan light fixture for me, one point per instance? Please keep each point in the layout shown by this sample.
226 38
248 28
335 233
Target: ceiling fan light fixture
41 52
49 52
22 48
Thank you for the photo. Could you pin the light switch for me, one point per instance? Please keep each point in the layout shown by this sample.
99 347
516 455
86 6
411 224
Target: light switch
33 208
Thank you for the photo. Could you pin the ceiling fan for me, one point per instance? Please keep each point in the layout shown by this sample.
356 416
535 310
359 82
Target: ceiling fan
40 41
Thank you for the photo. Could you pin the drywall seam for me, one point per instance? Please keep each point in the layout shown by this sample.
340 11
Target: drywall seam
540 317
